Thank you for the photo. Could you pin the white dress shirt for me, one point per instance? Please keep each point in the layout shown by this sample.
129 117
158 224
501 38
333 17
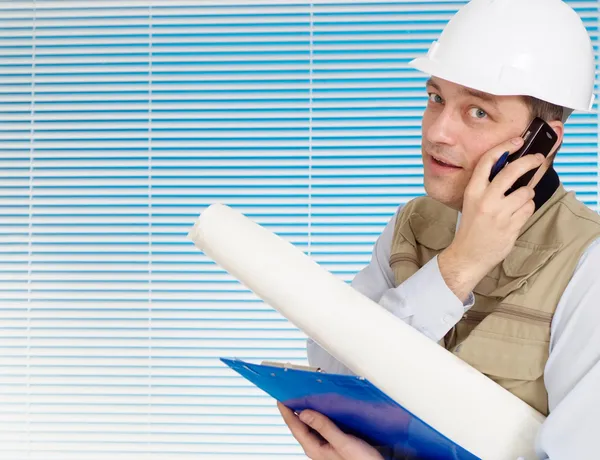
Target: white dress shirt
572 373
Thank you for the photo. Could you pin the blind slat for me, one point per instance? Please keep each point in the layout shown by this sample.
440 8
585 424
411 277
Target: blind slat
120 123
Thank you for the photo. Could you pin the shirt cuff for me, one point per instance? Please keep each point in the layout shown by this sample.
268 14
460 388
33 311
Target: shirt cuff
426 302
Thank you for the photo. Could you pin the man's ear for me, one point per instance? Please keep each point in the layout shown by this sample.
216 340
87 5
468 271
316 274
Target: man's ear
559 128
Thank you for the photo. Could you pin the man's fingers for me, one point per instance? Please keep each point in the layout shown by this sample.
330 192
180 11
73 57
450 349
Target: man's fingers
481 174
516 200
325 427
511 173
312 445
521 216
298 429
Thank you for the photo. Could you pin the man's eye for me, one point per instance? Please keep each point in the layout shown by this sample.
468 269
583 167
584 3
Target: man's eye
435 98
476 112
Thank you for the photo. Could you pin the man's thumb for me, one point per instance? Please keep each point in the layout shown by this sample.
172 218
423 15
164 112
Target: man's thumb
323 426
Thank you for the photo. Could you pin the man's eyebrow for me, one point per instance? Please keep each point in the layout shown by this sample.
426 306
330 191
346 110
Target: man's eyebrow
431 82
480 95
469 91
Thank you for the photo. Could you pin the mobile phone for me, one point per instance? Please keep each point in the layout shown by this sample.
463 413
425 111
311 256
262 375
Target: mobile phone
539 137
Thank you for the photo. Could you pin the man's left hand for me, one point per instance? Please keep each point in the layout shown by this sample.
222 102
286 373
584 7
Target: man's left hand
334 445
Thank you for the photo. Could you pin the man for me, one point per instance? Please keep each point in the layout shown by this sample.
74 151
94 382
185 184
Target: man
509 283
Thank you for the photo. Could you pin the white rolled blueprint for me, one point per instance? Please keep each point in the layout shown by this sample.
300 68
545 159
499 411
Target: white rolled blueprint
426 379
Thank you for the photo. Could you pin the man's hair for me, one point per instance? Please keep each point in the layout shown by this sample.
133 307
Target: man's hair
544 110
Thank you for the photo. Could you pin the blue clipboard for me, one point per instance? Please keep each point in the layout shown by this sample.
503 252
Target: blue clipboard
356 406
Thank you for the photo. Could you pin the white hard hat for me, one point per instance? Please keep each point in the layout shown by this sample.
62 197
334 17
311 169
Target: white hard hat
537 48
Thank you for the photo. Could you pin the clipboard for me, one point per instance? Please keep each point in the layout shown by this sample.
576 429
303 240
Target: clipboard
355 405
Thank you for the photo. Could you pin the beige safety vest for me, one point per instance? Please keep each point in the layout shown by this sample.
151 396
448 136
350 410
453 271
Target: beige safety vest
506 334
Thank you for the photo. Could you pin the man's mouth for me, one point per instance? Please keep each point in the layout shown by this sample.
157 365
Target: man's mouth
442 162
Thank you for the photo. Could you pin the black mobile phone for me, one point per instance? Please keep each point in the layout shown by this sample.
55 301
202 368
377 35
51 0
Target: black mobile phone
539 137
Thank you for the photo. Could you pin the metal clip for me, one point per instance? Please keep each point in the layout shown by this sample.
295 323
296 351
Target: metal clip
296 367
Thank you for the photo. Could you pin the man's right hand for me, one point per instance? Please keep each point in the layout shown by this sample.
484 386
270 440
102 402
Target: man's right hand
491 222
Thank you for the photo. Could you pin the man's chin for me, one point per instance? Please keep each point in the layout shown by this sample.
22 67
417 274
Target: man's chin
444 195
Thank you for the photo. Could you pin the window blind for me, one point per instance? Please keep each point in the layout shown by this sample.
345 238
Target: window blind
120 121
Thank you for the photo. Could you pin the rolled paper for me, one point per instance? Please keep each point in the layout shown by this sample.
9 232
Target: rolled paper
419 374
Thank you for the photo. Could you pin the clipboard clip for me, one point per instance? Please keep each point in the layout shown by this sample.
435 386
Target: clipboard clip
296 367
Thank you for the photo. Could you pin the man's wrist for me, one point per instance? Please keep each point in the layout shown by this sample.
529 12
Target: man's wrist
460 274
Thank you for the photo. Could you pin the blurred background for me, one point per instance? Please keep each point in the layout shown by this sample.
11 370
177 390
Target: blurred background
120 122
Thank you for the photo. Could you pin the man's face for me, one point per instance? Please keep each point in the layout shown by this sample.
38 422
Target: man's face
459 126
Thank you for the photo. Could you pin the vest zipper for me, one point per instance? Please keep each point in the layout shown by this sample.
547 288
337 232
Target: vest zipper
478 316
474 316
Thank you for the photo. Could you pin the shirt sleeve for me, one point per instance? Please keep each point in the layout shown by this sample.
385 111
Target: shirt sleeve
572 373
423 301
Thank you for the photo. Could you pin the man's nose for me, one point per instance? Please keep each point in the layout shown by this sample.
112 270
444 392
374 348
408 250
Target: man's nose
444 128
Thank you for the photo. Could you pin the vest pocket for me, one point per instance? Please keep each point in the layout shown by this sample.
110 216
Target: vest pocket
518 354
521 266
526 258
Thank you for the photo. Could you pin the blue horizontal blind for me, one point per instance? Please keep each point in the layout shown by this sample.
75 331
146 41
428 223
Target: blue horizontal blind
119 123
